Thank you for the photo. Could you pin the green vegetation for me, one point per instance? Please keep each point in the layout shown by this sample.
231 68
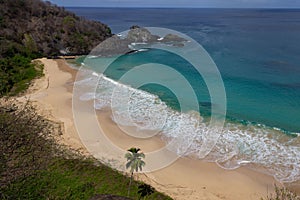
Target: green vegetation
36 26
282 194
134 162
33 166
33 28
73 179
16 73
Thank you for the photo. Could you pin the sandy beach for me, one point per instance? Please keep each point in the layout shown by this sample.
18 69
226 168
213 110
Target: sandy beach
186 178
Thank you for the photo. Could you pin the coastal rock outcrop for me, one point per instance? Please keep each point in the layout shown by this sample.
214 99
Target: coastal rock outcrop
136 38
141 35
112 46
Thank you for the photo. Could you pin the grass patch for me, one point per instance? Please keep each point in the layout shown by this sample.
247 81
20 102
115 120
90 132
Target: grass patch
33 166
74 179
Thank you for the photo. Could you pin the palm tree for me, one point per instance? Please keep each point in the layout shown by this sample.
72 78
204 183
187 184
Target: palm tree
134 162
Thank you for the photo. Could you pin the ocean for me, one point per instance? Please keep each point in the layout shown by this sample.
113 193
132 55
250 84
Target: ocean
257 52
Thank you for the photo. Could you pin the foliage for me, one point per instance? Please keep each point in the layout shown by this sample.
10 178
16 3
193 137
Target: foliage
38 27
282 194
134 159
145 190
35 28
25 143
16 73
30 47
108 197
33 166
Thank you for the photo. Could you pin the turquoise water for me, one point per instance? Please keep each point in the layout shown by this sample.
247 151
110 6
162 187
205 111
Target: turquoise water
258 55
257 52
264 98
127 62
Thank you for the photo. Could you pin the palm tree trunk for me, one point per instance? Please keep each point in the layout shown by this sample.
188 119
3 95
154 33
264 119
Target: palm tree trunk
130 184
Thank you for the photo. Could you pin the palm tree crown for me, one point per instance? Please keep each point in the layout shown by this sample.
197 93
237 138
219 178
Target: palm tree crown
134 160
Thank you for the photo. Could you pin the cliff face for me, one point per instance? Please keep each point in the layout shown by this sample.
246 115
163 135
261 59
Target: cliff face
35 26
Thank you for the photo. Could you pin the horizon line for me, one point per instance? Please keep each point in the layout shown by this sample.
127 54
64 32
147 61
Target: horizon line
165 7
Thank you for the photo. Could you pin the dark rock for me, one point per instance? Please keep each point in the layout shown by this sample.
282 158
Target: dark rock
178 45
131 52
173 38
134 27
111 46
141 35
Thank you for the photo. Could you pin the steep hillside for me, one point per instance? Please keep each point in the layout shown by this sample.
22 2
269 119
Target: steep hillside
33 28
38 27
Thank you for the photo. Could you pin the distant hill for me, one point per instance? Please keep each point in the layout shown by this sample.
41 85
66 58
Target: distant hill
38 27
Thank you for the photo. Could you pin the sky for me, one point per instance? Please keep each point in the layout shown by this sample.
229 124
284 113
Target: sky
181 3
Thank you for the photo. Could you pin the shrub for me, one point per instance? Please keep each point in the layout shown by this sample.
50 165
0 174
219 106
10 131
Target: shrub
16 73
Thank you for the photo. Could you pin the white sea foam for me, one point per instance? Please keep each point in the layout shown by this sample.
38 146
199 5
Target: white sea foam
141 50
237 145
130 46
95 74
91 57
138 43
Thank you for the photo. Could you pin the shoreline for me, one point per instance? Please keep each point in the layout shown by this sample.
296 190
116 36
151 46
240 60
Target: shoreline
192 178
186 178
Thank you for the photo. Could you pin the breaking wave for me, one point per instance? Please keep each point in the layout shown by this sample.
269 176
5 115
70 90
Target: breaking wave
256 146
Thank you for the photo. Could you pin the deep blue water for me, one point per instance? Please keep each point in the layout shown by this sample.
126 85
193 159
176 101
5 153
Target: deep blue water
256 50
